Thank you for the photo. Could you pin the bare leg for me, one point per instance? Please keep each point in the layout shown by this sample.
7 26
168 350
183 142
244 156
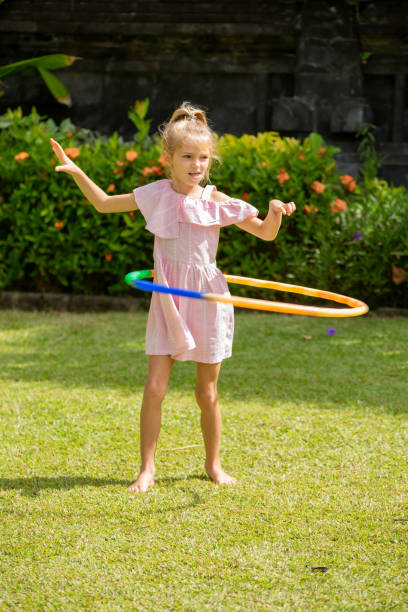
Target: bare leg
150 418
207 399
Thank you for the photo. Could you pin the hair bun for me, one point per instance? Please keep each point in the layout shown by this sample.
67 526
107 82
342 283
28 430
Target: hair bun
188 112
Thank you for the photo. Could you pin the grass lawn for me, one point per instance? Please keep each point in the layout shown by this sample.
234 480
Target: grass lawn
315 430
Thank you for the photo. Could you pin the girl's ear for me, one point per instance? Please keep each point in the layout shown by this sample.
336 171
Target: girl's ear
167 158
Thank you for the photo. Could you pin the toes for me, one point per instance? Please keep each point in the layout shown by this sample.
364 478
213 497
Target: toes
141 485
221 478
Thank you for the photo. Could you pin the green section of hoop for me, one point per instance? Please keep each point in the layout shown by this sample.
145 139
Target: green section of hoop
138 275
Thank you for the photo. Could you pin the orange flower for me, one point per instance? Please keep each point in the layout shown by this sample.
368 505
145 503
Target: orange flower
21 156
317 187
111 188
310 209
341 204
157 170
132 214
351 186
108 256
338 205
72 152
59 225
265 164
283 176
162 160
301 157
245 196
69 134
345 179
147 171
131 155
321 151
118 171
120 163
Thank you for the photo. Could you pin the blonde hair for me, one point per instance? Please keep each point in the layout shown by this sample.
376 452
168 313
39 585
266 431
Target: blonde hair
188 123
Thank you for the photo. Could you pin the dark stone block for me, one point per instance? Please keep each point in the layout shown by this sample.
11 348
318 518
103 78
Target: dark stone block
327 86
294 115
349 115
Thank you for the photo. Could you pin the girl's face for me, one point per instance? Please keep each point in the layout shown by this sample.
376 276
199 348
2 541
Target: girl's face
189 164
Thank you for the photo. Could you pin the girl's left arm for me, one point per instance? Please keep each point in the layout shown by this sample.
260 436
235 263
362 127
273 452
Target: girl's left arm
268 228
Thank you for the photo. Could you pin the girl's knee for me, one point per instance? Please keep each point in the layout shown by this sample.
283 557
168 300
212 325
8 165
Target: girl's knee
155 389
206 395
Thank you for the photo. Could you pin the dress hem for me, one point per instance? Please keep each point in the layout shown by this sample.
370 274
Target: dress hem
190 358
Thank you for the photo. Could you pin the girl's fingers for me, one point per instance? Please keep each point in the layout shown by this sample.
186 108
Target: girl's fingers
55 144
58 150
285 208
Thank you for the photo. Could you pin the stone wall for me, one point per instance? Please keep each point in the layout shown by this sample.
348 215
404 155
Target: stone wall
285 65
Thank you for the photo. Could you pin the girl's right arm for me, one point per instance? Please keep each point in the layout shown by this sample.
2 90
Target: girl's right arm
98 198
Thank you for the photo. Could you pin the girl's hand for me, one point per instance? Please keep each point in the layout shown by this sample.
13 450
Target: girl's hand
67 163
281 207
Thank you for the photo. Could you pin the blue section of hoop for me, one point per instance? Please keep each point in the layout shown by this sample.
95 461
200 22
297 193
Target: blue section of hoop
149 286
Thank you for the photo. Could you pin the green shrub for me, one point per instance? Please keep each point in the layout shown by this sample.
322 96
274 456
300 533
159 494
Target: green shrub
51 239
343 237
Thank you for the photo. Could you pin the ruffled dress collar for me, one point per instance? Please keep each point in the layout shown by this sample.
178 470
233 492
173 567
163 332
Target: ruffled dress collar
172 208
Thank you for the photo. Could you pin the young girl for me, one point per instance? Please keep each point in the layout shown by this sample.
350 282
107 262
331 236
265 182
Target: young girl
185 218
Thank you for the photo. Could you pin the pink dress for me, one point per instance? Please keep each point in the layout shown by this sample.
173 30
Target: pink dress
186 234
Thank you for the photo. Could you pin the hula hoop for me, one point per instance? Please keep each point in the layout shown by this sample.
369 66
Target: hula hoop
356 307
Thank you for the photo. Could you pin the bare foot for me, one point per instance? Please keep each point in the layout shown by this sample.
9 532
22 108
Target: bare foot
144 481
218 476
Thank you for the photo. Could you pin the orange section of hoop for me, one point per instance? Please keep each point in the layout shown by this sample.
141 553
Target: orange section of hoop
356 307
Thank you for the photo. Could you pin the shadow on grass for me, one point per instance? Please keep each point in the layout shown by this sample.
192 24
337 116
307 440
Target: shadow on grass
275 359
31 487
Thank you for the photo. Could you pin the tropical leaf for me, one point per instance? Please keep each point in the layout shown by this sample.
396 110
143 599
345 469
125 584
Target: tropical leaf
56 87
49 62
315 141
43 65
